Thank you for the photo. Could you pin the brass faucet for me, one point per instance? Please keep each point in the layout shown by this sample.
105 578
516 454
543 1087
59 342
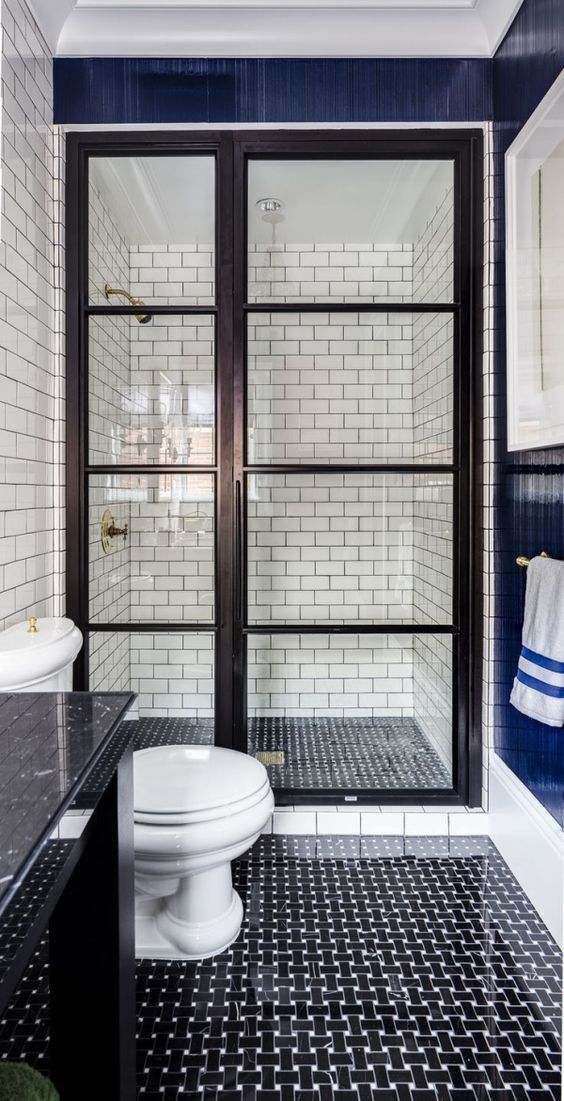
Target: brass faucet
32 628
109 531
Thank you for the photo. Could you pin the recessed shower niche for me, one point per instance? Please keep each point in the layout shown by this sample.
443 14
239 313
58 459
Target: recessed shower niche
273 400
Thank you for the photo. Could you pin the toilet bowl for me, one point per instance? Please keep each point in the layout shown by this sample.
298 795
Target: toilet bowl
196 808
39 660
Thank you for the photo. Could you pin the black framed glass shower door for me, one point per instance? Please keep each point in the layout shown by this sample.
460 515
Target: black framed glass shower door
283 423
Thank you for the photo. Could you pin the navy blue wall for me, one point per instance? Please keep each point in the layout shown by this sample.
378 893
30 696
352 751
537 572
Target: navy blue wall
530 486
153 90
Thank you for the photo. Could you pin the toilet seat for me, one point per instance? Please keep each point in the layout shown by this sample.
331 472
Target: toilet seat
186 784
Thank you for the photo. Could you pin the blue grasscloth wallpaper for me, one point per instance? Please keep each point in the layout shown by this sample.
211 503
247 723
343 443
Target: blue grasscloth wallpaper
153 90
530 486
529 490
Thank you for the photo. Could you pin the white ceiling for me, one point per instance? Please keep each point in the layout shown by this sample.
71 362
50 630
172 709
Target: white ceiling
170 200
275 28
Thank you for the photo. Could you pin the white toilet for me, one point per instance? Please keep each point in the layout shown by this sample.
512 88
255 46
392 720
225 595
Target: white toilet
37 655
196 808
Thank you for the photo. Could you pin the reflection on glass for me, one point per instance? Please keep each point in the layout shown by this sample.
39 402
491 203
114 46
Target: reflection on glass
351 711
151 229
171 673
162 570
346 388
151 391
342 548
351 230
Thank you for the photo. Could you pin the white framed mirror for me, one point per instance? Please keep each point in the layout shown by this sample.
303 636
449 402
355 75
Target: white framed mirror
534 174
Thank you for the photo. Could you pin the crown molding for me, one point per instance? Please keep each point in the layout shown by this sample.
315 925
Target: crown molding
274 28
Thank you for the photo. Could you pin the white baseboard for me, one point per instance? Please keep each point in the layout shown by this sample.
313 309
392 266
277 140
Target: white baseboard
531 843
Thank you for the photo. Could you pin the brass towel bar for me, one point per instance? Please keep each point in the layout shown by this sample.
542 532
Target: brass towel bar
522 560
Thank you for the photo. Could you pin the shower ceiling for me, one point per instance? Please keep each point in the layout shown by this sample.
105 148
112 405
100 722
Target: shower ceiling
275 28
157 199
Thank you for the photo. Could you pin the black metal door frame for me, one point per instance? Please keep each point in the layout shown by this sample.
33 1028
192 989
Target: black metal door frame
232 151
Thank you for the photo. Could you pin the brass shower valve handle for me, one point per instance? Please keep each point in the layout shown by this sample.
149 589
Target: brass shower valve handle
113 531
109 531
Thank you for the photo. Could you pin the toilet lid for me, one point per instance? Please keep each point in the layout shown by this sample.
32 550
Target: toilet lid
176 779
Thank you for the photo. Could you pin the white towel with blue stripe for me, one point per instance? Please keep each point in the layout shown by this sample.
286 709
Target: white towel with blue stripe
538 688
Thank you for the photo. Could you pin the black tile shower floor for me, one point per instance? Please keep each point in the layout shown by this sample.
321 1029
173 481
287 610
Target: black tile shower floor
357 976
324 753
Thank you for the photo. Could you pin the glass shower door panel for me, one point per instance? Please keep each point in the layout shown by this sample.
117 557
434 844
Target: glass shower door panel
161 569
172 674
344 388
344 548
341 230
351 712
151 231
151 390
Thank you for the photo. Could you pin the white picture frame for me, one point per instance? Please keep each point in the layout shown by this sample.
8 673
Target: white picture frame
534 182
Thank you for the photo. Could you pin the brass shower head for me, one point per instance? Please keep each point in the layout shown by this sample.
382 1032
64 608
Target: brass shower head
142 318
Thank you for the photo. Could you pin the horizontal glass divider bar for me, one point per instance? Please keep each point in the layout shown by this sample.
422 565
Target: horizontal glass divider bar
350 307
368 796
148 628
146 468
148 308
353 629
345 468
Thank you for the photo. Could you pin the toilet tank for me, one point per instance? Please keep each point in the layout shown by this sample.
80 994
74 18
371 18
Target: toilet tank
39 660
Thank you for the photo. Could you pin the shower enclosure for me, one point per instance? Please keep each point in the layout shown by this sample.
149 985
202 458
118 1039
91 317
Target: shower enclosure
273 350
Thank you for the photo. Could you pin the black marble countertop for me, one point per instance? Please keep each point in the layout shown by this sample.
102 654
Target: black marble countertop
49 743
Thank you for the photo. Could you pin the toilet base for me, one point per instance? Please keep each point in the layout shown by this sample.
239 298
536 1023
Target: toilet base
187 925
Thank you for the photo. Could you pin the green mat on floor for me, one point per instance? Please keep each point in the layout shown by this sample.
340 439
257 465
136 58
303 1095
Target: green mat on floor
18 1082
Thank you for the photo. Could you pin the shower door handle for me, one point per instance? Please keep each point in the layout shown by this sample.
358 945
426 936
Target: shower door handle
238 552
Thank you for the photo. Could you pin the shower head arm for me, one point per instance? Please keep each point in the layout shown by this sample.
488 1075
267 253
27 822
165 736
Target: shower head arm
133 301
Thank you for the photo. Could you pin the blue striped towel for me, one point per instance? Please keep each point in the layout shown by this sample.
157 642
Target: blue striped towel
538 688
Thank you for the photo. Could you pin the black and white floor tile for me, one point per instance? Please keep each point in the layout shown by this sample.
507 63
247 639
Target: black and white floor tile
359 975
324 753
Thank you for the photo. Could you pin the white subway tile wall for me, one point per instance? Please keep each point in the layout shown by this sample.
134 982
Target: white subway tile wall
361 676
341 272
330 387
341 547
433 431
172 673
171 274
164 570
171 387
171 545
109 413
31 363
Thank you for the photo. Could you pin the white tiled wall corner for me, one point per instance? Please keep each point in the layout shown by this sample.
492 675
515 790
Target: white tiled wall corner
31 366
